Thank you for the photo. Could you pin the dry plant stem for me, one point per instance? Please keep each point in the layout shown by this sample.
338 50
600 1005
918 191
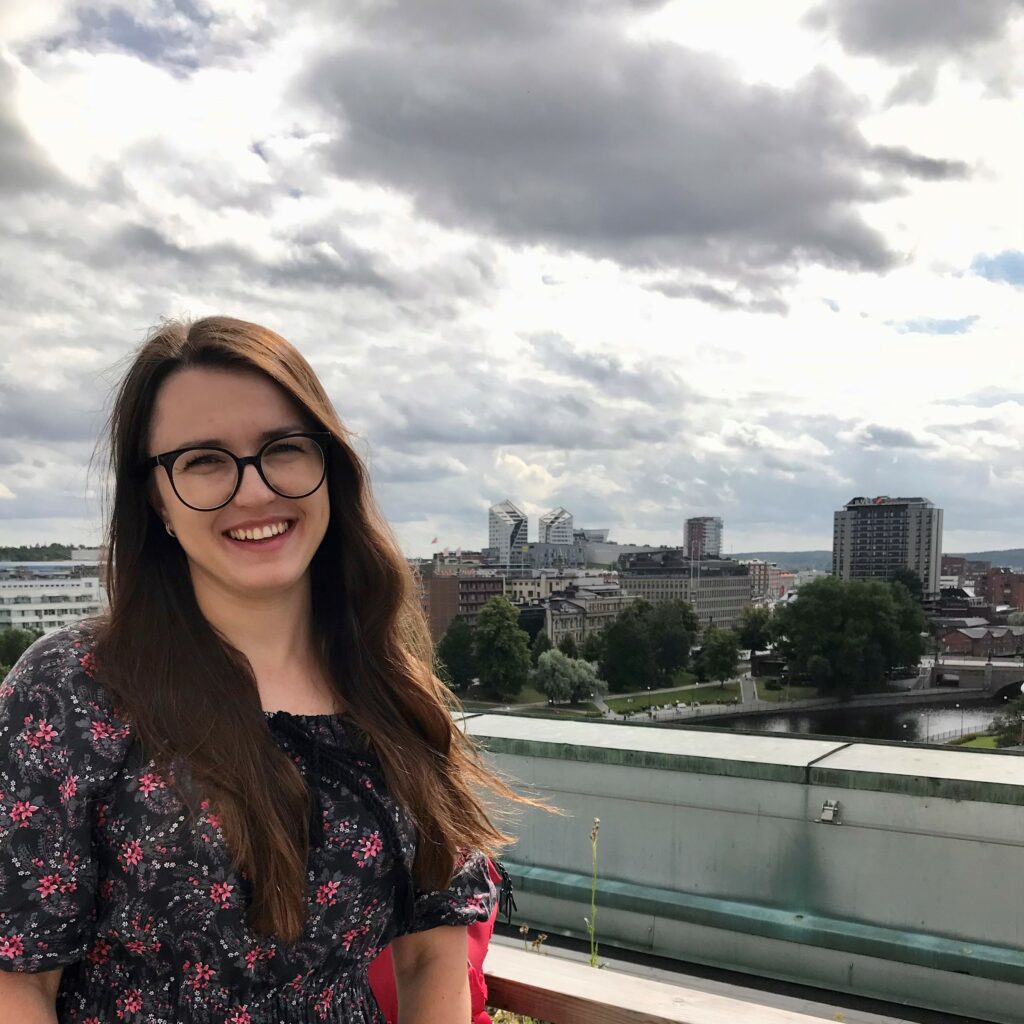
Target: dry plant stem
592 921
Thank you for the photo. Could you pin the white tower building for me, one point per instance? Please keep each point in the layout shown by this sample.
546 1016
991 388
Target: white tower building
556 527
507 526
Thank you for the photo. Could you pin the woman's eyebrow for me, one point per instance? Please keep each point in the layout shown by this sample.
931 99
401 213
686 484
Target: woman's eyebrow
267 435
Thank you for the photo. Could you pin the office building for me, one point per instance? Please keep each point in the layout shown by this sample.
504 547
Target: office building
703 537
717 589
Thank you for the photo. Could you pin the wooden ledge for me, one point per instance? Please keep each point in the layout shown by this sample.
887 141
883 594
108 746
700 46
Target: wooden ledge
566 992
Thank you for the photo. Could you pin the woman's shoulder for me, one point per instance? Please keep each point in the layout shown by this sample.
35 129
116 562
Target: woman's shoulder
56 678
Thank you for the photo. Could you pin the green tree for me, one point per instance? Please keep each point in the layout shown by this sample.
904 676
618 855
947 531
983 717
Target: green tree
1007 724
455 650
14 643
593 646
627 661
862 628
562 678
819 670
754 627
502 649
541 643
911 581
567 645
673 629
721 653
1015 619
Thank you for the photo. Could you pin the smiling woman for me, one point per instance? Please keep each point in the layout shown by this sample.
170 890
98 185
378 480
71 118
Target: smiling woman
244 782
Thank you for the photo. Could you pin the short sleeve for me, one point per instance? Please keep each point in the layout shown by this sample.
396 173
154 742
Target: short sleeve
470 898
60 746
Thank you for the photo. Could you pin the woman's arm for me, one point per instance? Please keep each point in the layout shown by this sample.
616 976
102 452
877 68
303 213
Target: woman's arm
431 977
29 998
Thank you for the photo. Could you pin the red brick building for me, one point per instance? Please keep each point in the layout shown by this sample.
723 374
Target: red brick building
1001 586
983 641
444 597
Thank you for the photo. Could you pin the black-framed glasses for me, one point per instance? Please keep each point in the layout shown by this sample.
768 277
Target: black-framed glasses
207 478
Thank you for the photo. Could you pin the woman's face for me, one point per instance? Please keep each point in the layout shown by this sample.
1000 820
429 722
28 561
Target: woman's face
237 410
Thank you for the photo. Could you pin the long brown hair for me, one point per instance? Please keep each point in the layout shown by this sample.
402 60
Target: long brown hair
195 702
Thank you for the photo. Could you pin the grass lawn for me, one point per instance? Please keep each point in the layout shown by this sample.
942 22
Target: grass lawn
710 694
794 693
683 678
528 695
983 742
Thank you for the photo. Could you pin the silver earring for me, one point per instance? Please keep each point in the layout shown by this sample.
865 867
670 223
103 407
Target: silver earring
167 527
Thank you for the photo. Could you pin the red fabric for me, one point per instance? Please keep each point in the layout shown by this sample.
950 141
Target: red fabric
382 972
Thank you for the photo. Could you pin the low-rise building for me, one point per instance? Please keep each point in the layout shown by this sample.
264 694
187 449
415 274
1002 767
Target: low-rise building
765 578
48 595
984 641
999 587
445 597
717 589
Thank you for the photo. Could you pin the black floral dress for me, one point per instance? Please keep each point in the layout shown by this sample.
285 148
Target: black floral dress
105 873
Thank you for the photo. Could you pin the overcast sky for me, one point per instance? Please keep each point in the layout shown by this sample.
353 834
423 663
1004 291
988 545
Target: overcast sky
643 260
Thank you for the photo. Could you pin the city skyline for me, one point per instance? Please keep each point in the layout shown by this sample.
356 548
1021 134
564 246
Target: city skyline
738 260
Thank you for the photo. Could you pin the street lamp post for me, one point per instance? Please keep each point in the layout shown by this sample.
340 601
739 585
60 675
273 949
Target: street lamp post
961 721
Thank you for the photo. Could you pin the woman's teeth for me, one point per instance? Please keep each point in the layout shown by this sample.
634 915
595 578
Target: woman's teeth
260 533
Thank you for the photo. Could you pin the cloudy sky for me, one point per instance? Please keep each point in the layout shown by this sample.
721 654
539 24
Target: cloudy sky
644 260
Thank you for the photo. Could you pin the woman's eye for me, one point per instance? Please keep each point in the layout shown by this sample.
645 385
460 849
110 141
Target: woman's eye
203 460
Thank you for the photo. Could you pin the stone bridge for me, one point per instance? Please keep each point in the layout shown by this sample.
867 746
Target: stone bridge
999 678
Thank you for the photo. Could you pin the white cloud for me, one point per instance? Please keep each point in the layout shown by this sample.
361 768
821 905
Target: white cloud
479 364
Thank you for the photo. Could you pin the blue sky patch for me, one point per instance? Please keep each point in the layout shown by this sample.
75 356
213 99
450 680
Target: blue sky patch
1006 267
929 325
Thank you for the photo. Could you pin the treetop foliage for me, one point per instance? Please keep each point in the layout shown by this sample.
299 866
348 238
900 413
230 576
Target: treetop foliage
862 629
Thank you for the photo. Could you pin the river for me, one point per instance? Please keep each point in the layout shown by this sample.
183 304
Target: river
933 723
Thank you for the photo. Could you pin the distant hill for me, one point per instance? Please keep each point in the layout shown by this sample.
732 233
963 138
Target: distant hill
1013 557
792 561
36 553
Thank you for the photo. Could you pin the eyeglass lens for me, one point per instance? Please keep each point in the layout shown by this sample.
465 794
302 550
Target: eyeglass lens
205 478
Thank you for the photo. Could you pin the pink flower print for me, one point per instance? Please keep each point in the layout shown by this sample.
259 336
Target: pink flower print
68 788
327 892
220 893
350 936
323 1003
6 691
131 853
149 782
100 952
240 1016
48 885
88 662
44 733
135 946
102 731
211 817
11 946
22 811
106 888
203 976
367 848
131 1001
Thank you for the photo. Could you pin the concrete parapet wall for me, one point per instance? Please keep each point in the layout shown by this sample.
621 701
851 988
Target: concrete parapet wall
710 850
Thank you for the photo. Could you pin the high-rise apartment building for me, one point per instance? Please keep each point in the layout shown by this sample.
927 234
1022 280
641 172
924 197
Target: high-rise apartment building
507 531
703 537
874 538
556 527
